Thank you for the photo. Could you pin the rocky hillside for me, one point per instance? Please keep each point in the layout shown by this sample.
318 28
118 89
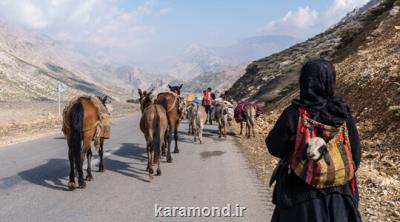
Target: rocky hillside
271 78
369 80
218 80
31 65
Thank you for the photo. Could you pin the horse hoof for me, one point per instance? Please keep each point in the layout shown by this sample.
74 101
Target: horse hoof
89 178
176 151
82 185
71 185
151 171
169 160
101 168
158 172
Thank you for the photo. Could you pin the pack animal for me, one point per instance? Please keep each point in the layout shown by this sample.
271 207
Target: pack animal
80 125
153 124
198 117
221 116
171 103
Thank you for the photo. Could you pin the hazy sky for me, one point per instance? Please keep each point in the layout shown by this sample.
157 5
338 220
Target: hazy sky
144 30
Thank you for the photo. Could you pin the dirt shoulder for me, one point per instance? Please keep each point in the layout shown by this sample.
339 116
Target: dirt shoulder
22 121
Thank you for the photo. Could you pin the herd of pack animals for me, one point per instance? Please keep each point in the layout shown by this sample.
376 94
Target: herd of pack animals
160 119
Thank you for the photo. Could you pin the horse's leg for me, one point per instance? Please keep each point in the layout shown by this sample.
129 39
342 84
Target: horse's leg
71 183
248 125
252 122
252 127
164 145
241 127
101 151
176 150
158 157
86 147
224 128
169 138
219 128
78 165
150 158
201 133
195 132
89 175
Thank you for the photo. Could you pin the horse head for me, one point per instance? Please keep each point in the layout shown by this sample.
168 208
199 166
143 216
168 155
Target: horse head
145 98
176 89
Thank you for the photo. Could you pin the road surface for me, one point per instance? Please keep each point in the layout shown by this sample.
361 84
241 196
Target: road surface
33 178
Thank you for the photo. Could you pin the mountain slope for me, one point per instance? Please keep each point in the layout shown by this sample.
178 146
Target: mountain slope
271 78
249 49
219 80
31 65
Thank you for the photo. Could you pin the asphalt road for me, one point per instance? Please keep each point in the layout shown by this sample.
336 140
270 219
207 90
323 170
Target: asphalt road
33 178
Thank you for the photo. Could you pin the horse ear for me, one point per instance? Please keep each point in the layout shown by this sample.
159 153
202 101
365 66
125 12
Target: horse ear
151 91
105 99
140 92
169 86
180 87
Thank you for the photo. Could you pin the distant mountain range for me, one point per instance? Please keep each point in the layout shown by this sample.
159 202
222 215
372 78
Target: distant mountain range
198 59
31 65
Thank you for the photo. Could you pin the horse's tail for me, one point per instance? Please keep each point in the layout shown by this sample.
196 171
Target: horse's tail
76 130
156 135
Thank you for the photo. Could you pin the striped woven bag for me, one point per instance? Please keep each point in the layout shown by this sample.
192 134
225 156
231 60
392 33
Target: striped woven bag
322 173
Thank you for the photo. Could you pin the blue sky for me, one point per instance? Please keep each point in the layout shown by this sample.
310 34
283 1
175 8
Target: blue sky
141 31
221 22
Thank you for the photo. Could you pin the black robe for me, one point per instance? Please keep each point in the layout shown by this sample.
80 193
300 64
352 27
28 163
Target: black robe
298 201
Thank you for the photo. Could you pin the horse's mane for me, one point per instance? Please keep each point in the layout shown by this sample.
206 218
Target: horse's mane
162 99
168 93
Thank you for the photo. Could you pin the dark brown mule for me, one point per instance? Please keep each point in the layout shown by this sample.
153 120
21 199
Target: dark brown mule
171 103
153 124
83 118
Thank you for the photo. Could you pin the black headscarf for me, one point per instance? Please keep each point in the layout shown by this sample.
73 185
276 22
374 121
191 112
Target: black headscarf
317 93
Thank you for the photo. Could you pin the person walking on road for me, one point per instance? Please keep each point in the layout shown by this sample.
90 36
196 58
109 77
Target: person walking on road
207 104
318 143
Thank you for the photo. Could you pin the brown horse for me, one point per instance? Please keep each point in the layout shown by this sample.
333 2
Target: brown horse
171 103
80 124
153 124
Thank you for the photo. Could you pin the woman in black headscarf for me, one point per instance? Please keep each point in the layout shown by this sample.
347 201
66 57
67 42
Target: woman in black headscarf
294 199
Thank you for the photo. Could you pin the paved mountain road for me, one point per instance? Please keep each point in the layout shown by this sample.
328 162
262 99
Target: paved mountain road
34 174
